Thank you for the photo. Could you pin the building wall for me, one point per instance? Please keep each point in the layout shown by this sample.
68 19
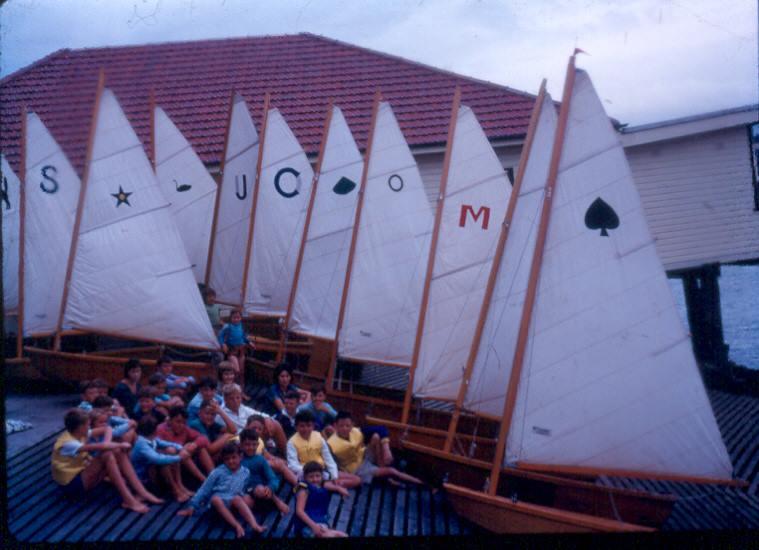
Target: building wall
698 196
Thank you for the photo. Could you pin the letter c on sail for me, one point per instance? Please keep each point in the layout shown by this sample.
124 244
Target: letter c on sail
278 187
244 187
54 187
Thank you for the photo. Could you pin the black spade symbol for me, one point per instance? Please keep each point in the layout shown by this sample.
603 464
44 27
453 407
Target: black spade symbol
601 216
182 188
344 186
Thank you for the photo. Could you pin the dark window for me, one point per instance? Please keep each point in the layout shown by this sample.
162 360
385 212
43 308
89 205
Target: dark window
510 175
753 138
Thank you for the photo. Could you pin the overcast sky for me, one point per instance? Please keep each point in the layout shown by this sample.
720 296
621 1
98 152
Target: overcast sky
650 60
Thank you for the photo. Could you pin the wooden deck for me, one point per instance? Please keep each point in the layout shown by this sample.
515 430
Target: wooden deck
38 512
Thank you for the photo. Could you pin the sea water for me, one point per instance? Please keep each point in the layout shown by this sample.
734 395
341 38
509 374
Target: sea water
739 294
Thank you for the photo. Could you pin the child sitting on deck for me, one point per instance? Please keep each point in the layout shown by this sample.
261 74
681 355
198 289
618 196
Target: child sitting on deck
129 387
90 390
353 456
215 425
148 461
312 503
258 423
308 445
286 417
175 385
175 430
123 428
263 483
283 378
240 413
158 383
76 471
324 413
225 487
234 343
146 406
206 392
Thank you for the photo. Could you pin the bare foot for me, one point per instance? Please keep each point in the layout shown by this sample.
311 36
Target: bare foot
239 531
150 497
258 528
136 507
182 497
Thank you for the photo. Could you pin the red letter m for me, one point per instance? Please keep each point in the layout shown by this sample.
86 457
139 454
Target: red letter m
484 211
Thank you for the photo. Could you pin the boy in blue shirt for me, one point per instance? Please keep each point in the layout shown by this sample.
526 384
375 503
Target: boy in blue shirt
263 482
234 343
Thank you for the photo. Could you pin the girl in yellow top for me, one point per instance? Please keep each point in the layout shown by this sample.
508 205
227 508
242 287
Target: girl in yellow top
354 457
308 445
76 471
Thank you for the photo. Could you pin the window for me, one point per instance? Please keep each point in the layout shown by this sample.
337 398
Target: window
753 138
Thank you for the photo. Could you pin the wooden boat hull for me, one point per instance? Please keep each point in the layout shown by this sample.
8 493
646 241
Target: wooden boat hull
72 368
502 515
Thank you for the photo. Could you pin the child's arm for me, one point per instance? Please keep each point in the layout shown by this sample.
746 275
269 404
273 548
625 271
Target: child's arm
272 481
335 488
231 428
300 510
151 456
203 493
292 459
329 462
223 337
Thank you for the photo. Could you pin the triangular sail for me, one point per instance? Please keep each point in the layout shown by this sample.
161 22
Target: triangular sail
188 187
131 275
52 194
477 194
392 246
230 239
10 197
284 189
325 257
609 380
492 366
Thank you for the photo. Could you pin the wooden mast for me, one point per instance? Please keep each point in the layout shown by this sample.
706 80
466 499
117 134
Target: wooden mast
254 203
306 225
352 248
218 188
505 228
532 285
21 237
433 251
79 209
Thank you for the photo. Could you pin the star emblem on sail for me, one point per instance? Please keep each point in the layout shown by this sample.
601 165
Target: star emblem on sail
147 291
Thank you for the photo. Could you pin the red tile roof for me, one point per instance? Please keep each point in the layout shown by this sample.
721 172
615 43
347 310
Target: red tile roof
193 81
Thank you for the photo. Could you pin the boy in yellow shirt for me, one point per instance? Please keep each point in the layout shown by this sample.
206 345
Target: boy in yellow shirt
354 457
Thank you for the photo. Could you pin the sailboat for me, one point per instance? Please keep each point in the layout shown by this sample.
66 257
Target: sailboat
10 190
127 274
581 355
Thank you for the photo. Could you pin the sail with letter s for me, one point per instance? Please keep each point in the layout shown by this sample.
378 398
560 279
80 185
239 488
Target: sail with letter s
392 247
51 195
609 380
476 196
325 257
189 188
131 276
284 189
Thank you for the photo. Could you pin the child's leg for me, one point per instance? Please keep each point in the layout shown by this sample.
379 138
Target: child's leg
392 472
280 504
168 473
224 512
177 472
277 434
205 460
189 463
242 507
127 471
375 449
280 467
112 467
334 533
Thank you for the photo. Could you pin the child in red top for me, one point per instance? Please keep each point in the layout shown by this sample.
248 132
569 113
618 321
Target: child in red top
175 429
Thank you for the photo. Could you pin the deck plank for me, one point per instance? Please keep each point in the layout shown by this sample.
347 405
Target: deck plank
346 511
373 509
356 526
386 518
399 518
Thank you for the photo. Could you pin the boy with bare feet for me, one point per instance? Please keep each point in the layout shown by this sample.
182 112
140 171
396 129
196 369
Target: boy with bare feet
312 503
263 482
225 487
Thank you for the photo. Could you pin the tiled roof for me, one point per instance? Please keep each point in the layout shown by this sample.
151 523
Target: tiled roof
192 82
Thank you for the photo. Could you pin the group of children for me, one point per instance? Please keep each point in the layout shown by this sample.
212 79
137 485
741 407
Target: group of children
150 438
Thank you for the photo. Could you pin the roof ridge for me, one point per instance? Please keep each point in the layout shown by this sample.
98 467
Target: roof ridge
420 64
19 72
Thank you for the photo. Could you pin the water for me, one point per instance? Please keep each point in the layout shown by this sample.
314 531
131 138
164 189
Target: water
739 292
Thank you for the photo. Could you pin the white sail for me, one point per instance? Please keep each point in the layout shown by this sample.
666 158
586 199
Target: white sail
131 274
609 378
235 200
325 257
492 366
52 195
9 203
392 247
474 206
189 188
284 189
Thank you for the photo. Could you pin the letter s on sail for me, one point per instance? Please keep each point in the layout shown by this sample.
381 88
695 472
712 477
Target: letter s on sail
54 187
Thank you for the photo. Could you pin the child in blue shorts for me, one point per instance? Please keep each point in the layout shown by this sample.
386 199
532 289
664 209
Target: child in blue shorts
312 503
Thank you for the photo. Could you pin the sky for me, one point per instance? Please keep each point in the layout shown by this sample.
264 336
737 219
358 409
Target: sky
650 60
